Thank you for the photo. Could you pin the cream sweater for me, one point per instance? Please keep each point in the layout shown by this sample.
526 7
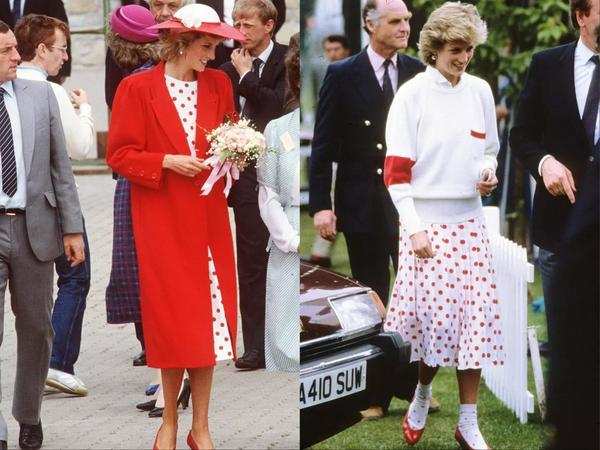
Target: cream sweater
439 140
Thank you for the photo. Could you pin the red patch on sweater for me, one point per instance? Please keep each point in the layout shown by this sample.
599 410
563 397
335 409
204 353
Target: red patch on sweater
477 134
397 170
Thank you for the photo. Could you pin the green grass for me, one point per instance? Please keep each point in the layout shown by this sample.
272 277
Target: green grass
500 427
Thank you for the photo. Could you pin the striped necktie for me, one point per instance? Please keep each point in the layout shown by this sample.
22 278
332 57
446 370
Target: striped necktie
7 151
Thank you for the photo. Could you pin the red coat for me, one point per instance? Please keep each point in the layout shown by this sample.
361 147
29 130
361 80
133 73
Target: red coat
173 225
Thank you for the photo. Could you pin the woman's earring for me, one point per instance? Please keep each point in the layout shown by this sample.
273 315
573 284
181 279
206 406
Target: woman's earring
180 52
433 57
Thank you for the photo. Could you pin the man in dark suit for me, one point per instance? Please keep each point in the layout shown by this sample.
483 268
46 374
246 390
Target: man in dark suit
12 10
555 130
258 75
350 129
224 9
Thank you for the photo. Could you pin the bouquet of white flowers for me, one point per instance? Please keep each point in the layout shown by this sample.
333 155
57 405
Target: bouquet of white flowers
233 146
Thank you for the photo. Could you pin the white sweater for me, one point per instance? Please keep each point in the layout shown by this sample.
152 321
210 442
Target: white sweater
439 140
78 128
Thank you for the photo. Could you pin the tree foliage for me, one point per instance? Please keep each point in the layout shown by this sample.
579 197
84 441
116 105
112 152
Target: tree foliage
516 30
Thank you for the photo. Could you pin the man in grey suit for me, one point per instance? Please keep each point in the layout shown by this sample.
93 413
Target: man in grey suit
40 217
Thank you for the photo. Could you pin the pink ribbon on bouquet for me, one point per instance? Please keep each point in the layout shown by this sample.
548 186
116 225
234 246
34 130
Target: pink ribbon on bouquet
220 169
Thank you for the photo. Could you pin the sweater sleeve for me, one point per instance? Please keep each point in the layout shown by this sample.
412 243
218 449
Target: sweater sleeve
401 140
78 128
491 131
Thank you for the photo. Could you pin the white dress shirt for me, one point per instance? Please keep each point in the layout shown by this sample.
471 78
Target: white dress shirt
377 63
78 128
19 199
583 69
228 19
12 4
263 57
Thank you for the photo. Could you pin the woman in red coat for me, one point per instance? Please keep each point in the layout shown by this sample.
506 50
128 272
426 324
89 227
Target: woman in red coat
183 240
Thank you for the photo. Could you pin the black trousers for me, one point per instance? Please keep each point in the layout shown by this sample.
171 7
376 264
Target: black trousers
252 257
370 256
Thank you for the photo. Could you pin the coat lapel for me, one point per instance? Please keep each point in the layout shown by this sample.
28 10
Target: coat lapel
27 118
365 80
567 81
166 113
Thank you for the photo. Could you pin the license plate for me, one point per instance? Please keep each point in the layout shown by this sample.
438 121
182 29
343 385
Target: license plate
328 386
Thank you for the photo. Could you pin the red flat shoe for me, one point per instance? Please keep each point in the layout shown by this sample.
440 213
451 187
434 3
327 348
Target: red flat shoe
462 442
191 443
411 436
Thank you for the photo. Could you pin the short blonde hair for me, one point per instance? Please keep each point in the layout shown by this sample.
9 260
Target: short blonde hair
451 22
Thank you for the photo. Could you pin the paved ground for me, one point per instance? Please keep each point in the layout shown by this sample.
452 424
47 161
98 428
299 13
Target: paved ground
252 410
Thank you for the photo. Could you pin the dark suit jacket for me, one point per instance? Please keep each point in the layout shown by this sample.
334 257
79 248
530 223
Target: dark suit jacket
548 122
350 129
52 8
223 53
264 102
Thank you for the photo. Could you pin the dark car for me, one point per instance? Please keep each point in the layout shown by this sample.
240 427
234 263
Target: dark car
347 362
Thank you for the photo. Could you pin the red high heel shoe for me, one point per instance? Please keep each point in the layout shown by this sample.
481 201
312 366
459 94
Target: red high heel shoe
191 443
463 443
411 436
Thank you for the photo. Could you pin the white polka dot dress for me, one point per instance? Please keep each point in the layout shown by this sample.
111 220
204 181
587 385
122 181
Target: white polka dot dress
183 94
222 341
446 306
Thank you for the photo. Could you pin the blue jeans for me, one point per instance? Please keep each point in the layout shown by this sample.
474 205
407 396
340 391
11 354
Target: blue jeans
546 264
67 315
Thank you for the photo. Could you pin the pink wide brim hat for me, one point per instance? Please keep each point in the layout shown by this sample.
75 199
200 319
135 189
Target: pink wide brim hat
199 18
132 23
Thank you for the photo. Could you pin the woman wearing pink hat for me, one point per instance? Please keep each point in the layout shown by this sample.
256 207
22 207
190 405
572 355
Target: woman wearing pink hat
182 239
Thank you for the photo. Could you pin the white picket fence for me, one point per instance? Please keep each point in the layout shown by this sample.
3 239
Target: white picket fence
513 272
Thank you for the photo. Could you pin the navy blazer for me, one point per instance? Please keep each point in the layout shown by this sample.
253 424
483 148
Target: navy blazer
548 122
350 129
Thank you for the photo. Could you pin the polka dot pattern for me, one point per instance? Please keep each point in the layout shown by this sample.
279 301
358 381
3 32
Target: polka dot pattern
221 338
446 306
183 94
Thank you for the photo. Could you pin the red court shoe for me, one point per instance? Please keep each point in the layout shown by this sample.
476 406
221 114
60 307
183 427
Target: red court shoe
411 436
462 442
191 443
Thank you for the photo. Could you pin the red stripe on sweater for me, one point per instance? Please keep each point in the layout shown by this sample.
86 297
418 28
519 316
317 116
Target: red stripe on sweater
397 170
477 134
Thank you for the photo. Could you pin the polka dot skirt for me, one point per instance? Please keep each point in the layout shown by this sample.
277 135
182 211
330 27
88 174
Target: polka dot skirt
446 306
222 340
184 96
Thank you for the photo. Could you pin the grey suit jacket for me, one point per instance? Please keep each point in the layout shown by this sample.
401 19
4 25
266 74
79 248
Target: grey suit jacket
52 201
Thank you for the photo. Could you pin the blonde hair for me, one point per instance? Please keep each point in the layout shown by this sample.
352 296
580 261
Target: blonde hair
451 22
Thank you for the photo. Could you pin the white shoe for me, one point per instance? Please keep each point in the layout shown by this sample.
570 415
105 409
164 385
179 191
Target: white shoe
65 382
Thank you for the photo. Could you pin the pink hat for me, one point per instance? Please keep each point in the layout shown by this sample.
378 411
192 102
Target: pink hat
132 23
200 18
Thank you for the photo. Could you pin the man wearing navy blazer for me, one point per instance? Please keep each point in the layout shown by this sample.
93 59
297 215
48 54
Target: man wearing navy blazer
555 132
350 129
12 10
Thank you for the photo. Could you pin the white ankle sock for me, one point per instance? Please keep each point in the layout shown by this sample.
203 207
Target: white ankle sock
419 407
467 424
